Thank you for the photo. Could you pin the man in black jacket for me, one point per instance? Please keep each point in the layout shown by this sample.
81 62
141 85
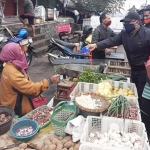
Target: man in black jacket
136 42
102 32
147 18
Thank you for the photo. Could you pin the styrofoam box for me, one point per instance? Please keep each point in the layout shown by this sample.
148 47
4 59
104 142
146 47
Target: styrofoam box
90 87
103 124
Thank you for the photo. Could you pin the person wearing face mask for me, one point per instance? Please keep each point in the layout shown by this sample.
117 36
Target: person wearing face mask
136 42
102 32
147 18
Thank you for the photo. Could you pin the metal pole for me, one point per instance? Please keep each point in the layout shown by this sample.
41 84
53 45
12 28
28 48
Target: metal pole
17 7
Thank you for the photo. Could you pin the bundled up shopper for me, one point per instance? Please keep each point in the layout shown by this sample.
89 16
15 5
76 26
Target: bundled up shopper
16 87
28 14
136 42
146 100
102 32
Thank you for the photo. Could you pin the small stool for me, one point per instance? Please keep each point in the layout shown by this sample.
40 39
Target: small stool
64 89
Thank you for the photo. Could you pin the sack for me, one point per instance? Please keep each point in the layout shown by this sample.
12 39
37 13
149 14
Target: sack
39 101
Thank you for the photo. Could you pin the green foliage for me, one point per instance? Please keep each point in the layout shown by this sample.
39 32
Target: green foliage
111 6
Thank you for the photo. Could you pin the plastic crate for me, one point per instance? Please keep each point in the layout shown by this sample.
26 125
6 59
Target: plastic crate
90 87
119 63
63 28
102 124
94 147
118 70
40 127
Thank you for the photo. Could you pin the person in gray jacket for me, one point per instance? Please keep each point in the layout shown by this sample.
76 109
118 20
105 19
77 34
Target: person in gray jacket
28 14
102 32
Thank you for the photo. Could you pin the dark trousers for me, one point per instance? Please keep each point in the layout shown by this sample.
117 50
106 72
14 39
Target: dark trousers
146 118
139 78
98 54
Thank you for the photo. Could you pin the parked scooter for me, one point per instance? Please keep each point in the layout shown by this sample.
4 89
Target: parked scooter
63 31
61 49
17 38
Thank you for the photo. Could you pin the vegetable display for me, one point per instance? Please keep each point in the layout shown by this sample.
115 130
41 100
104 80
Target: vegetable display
92 77
116 138
107 89
58 143
41 115
122 108
88 102
24 131
4 118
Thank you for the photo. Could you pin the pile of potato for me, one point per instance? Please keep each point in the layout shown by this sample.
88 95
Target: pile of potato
53 143
59 143
22 146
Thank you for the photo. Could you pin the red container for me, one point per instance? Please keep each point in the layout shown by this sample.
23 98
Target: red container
63 28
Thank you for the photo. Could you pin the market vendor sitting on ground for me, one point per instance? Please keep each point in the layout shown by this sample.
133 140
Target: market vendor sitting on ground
16 86
28 14
136 42
102 32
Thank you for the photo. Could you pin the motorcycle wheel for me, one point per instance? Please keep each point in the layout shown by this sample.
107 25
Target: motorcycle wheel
28 57
56 52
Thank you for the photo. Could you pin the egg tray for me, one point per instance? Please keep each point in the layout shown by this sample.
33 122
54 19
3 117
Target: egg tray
104 101
40 127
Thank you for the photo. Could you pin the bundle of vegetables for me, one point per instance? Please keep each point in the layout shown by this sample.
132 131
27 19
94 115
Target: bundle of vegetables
92 77
122 108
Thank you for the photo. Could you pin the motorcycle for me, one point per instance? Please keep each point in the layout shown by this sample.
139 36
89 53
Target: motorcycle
61 49
13 38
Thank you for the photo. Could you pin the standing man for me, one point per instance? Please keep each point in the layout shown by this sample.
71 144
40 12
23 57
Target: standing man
146 92
102 32
136 42
147 18
28 14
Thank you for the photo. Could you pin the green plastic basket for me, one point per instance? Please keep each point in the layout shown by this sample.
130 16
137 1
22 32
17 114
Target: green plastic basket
63 112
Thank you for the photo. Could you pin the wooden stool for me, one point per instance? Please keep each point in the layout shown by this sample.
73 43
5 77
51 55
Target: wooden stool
64 89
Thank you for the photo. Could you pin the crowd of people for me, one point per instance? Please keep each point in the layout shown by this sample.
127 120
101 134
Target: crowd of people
16 86
136 42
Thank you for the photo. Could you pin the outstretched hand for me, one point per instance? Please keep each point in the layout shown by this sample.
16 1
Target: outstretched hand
55 78
91 47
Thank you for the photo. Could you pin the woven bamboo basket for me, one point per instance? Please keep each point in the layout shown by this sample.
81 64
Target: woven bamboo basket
105 103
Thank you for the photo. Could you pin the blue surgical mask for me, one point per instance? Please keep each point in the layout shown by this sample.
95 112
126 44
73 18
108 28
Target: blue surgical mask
129 27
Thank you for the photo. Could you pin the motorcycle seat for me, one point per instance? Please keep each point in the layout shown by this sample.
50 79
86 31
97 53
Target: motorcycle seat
78 32
66 44
78 53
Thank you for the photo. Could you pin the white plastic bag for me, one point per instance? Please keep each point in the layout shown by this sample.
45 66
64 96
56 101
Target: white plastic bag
75 127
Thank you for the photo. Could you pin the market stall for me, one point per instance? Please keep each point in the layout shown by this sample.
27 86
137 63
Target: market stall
96 111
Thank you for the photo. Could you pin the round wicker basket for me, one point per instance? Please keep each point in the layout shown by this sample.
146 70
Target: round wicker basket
104 102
